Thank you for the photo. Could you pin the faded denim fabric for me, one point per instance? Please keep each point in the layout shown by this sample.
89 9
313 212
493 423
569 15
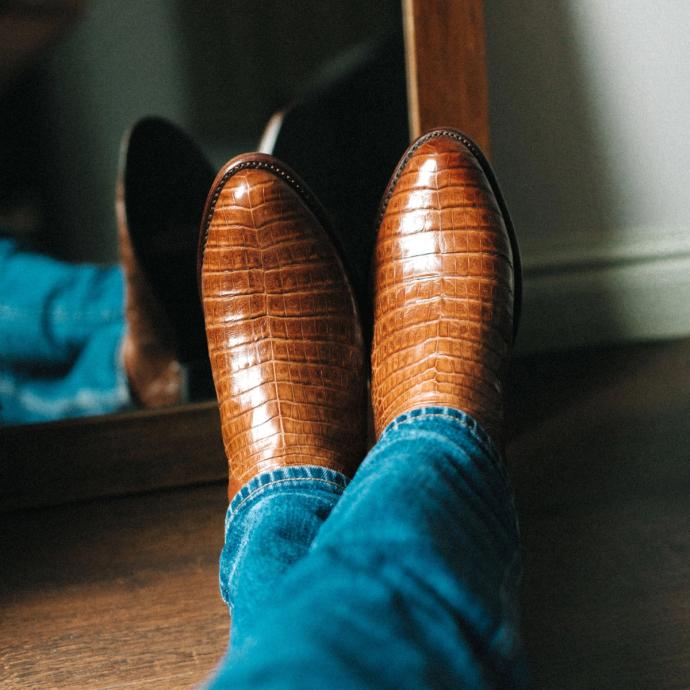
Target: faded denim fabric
270 525
408 580
61 330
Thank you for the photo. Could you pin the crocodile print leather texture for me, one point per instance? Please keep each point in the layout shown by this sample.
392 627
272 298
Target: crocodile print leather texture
283 331
444 285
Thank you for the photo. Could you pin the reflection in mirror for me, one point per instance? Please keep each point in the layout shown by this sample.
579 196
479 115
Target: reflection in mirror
90 324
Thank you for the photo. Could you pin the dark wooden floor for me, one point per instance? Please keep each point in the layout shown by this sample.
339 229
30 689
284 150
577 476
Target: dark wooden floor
601 465
117 593
122 592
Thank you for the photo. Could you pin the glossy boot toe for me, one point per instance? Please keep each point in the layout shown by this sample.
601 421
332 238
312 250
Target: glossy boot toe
445 291
283 332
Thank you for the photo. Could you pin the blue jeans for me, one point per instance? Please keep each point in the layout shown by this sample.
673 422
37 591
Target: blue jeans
405 578
61 330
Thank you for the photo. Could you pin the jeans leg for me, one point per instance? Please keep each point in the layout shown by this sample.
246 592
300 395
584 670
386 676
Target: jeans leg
50 309
94 383
61 330
269 526
411 582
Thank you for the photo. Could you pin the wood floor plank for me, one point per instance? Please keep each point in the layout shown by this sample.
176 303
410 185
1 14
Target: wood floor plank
113 594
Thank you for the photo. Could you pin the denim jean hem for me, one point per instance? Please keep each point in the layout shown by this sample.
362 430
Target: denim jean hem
293 473
330 482
466 424
465 421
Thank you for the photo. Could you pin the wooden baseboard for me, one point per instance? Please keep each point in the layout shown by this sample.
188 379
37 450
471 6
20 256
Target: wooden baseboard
585 295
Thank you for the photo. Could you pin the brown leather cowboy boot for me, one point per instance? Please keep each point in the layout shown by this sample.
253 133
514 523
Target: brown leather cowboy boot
445 289
282 327
162 183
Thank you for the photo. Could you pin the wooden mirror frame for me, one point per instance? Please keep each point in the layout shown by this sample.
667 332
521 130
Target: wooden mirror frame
445 55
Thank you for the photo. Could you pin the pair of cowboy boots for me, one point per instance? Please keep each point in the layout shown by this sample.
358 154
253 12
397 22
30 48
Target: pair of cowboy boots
284 337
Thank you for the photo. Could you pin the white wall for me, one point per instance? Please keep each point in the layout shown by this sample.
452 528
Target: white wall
590 106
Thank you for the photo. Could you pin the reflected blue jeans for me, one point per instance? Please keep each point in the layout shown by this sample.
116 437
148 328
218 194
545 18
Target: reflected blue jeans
405 578
61 330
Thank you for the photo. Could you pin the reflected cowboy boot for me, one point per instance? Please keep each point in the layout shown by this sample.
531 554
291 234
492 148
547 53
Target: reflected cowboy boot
163 180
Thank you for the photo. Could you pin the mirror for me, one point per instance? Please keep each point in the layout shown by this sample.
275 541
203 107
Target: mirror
320 84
